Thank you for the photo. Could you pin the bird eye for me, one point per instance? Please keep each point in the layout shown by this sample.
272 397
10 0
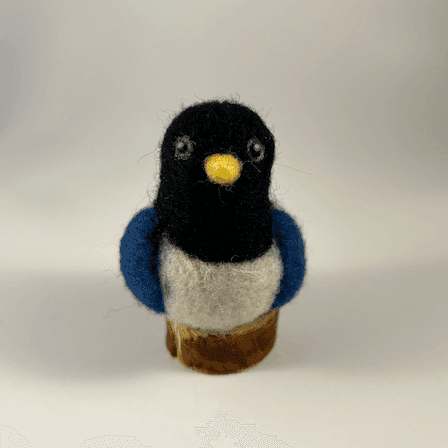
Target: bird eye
255 150
183 147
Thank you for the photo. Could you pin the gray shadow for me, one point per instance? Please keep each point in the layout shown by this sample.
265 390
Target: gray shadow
78 325
386 319
89 326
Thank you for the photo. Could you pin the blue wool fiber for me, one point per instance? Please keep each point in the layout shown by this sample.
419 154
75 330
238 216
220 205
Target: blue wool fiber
140 265
292 251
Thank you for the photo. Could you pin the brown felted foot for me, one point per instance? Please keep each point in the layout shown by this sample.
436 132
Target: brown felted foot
231 352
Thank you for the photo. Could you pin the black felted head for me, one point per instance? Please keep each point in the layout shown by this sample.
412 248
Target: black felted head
216 222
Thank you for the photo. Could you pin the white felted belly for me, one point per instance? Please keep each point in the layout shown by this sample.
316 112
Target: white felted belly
217 297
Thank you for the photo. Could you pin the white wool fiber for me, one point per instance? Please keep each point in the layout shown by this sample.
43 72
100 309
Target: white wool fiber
216 298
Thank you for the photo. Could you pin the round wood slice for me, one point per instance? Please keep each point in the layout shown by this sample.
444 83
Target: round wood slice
230 352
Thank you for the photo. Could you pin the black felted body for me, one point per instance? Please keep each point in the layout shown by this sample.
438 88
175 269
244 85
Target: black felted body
216 223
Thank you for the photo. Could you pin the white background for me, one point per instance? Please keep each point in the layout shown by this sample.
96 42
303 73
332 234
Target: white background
356 94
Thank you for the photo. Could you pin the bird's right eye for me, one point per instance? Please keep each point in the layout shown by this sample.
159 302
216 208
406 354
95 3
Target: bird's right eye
183 147
255 150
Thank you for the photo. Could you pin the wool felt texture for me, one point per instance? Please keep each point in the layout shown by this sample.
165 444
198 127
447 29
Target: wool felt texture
140 264
223 220
217 297
214 222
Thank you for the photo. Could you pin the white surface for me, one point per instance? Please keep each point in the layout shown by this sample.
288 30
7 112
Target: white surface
356 94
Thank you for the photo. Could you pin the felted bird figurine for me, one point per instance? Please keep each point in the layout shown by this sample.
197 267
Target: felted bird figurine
214 252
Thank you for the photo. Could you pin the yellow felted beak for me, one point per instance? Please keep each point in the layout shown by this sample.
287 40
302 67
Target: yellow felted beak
222 169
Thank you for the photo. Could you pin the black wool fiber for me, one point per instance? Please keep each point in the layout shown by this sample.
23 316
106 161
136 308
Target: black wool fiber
216 223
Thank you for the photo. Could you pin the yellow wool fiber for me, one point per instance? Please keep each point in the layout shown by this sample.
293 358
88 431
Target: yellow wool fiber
223 168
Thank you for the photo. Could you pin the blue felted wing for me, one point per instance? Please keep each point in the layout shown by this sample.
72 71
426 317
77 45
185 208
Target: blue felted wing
292 250
139 264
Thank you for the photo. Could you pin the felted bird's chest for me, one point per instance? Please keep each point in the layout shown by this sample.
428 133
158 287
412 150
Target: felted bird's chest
217 296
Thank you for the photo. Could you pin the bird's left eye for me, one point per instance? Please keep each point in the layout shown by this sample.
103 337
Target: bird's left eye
255 150
183 147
